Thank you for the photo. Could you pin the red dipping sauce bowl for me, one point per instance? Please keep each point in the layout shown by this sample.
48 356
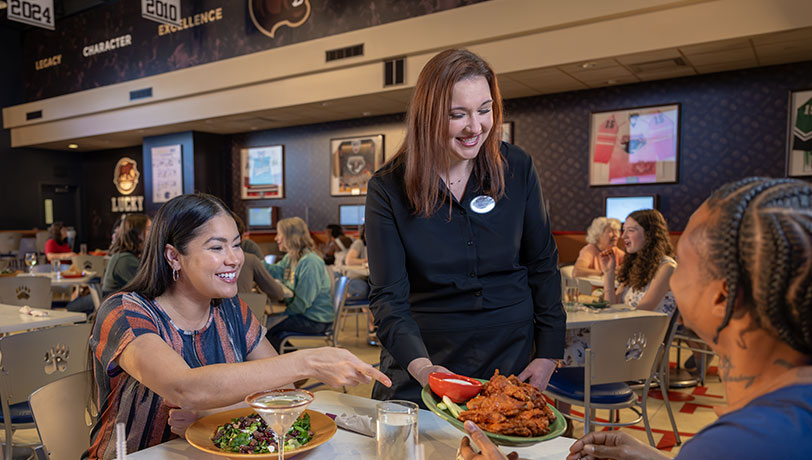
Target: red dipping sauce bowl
458 388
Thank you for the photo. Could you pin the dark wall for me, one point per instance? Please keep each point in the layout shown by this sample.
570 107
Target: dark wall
734 124
25 170
98 168
307 166
213 170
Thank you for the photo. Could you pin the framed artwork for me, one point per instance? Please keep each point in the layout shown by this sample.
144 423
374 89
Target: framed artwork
507 132
263 172
167 173
353 161
634 146
799 139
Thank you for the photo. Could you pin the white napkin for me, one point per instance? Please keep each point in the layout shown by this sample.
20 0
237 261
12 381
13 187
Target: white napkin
26 310
361 424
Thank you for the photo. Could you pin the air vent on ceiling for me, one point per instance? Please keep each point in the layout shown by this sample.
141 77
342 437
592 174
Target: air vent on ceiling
140 94
393 73
658 65
33 115
344 53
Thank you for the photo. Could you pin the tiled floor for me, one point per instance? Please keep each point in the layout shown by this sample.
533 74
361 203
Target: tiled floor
692 407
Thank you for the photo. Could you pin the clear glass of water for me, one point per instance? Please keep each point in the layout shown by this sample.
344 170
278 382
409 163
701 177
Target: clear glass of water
56 267
397 430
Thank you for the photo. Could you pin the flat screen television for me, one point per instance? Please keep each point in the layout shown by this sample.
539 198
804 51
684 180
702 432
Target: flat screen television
351 215
619 207
261 217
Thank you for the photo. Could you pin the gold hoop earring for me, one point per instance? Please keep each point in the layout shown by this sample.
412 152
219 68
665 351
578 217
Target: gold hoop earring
175 274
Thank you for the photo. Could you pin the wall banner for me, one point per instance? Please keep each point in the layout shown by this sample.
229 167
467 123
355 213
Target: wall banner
39 13
163 11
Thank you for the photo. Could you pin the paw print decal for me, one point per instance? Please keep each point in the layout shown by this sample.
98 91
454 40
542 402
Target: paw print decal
635 346
23 292
56 359
88 265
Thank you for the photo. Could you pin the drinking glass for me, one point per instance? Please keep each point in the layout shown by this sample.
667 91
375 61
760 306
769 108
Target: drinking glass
397 430
31 261
56 267
280 409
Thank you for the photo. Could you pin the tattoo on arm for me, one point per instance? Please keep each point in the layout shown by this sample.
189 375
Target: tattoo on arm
783 363
726 369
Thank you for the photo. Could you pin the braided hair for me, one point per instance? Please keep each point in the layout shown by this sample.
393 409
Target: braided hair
760 243
638 269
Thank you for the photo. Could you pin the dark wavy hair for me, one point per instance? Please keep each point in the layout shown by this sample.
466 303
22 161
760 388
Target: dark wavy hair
335 230
639 268
55 230
760 242
130 234
177 223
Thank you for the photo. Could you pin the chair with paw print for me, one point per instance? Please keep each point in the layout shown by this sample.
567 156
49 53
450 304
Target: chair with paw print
34 291
31 360
620 350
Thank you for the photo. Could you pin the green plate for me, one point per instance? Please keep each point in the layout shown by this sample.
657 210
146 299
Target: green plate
556 429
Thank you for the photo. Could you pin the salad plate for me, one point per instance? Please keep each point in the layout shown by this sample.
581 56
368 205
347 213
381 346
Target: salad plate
556 429
200 433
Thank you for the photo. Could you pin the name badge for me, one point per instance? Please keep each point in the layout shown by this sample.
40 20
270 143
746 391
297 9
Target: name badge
482 204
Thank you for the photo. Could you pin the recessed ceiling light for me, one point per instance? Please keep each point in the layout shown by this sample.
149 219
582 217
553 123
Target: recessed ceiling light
611 82
589 65
73 146
325 104
3 5
366 114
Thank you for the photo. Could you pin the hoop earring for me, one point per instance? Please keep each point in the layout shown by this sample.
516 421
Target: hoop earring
175 272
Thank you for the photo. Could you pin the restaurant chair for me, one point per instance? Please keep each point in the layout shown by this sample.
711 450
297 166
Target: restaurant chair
584 286
257 302
41 238
64 412
10 243
620 350
34 291
33 359
682 340
84 262
330 335
660 376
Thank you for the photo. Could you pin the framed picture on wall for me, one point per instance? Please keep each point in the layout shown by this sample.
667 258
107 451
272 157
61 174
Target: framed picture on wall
634 146
799 139
507 132
263 172
353 160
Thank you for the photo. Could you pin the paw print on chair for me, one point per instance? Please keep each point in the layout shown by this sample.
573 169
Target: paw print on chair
56 359
23 292
88 265
635 346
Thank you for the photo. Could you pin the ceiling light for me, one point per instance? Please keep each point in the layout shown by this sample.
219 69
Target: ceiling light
611 82
588 65
325 104
73 146
3 5
253 128
366 114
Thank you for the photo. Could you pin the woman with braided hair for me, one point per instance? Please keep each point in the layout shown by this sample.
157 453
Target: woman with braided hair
744 284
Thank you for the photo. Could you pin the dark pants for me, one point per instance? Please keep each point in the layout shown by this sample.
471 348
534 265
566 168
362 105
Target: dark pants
295 323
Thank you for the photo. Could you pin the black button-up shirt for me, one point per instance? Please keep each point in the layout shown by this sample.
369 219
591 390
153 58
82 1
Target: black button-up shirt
463 264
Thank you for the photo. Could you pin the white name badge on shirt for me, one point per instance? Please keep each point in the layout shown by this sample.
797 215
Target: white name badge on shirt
482 204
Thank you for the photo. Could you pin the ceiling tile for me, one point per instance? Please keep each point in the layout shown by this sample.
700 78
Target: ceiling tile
649 56
578 67
723 66
684 71
729 55
715 47
804 34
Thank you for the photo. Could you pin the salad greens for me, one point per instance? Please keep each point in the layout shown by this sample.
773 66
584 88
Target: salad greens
251 435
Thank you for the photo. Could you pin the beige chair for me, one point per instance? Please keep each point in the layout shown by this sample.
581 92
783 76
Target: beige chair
33 359
584 286
90 263
257 302
41 238
34 291
64 413
10 242
620 350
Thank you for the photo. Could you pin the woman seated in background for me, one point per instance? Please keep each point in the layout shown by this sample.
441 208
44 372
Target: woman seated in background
253 270
744 285
180 341
302 270
56 247
647 266
357 255
126 253
601 236
337 245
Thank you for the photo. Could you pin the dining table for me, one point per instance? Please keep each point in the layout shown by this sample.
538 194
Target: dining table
353 271
440 440
12 320
585 317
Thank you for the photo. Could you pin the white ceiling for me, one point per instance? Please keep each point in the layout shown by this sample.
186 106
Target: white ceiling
754 51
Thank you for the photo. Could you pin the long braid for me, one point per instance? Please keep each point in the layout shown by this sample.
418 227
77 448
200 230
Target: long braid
761 244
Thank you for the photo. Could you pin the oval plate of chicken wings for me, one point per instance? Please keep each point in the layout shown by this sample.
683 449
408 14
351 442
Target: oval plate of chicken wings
510 412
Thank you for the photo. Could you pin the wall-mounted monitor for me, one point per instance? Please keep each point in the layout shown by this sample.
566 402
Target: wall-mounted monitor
261 217
619 207
351 215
